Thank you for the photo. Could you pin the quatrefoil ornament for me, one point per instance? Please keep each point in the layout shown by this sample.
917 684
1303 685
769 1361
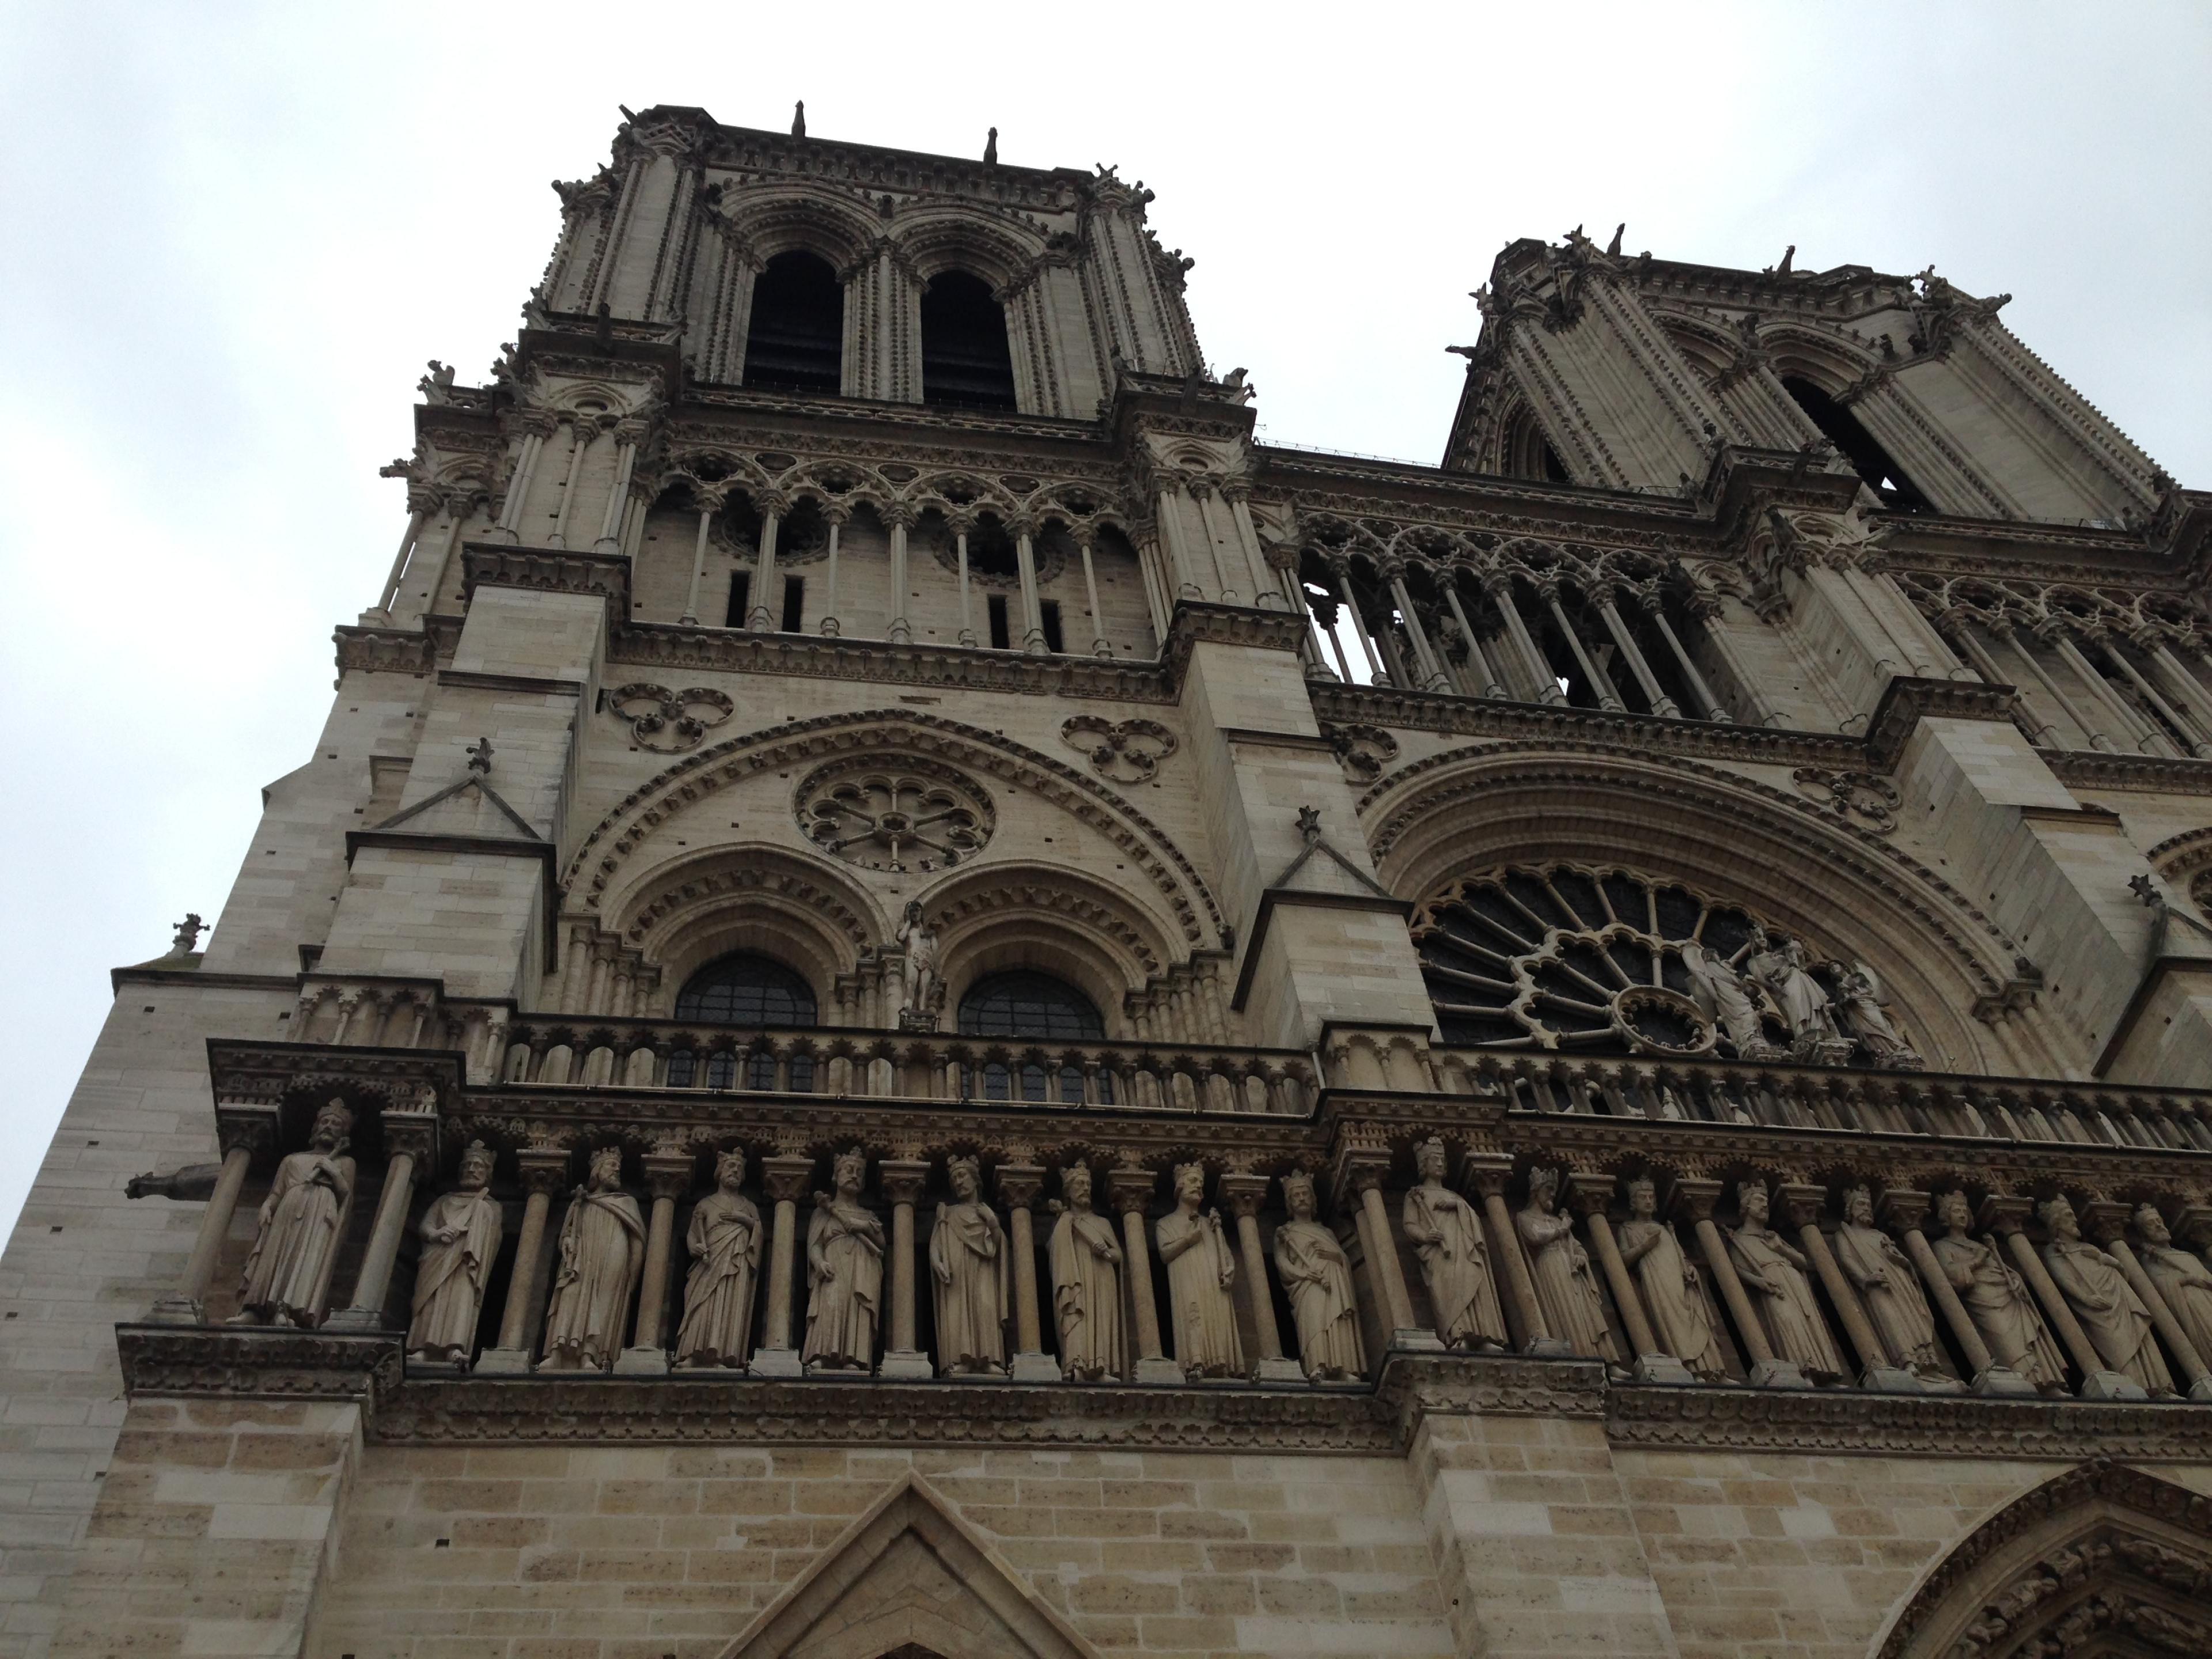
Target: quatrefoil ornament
1127 751
668 722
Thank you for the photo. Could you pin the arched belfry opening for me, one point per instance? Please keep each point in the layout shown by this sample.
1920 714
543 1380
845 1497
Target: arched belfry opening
747 990
1025 1004
965 361
795 339
1860 446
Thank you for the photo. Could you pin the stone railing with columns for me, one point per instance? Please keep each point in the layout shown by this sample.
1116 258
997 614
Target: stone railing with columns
1898 1236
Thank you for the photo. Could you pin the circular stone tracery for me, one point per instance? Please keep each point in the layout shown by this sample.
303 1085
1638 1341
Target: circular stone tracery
1575 958
891 812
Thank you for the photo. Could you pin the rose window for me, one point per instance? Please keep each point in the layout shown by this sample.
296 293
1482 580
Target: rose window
885 812
1577 958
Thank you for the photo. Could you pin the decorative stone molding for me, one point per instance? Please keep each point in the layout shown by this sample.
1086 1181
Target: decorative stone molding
885 811
1863 795
258 1362
1126 751
668 722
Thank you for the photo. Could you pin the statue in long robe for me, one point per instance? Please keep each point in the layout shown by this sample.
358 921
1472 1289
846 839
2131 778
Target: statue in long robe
460 1235
1085 1258
1672 1295
1787 975
968 1256
602 1259
2181 1277
1201 1267
1773 1270
1891 1289
288 1274
1996 1298
1317 1275
1720 997
2117 1323
844 1274
1566 1289
1859 993
724 1238
1455 1256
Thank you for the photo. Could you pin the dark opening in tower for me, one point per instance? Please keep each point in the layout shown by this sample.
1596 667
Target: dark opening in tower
1860 446
795 341
965 362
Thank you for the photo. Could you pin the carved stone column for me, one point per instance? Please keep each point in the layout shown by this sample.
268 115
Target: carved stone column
1488 1176
1601 686
900 632
243 1136
1131 1191
544 1172
1032 612
410 1138
1244 1193
831 625
2009 1217
1695 1199
902 1180
667 1178
1907 1210
766 611
783 1177
2106 1222
1018 1186
1803 1206
1361 1175
1590 1194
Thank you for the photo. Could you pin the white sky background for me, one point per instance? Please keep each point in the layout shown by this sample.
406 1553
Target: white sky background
232 235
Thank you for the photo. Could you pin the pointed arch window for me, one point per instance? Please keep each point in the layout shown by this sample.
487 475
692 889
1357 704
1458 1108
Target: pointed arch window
1860 446
965 360
795 338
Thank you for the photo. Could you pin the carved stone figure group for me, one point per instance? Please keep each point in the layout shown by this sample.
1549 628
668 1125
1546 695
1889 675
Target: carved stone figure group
1826 1027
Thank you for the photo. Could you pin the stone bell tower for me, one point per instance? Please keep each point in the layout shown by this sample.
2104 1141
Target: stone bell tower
920 1001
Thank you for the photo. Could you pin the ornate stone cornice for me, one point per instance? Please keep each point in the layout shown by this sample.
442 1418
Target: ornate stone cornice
550 570
258 1362
1813 1422
671 646
2084 769
1226 624
396 650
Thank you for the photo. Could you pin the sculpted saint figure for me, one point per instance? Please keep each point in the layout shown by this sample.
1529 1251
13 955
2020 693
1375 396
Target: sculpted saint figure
925 986
460 1239
1860 993
724 1239
967 1262
1720 997
1085 1258
1566 1290
602 1258
1447 1236
1785 972
844 1273
2118 1324
1669 1283
2181 1277
1996 1298
1201 1268
1316 1274
1773 1270
288 1275
1871 1260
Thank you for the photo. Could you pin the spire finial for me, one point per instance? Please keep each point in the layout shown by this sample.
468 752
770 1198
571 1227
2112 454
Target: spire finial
990 149
798 119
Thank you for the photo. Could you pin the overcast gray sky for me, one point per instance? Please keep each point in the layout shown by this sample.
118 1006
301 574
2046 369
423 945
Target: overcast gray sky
233 234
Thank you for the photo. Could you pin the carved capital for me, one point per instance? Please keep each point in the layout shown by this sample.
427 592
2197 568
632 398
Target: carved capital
902 1179
545 1169
1800 1202
1020 1184
1692 1199
1131 1189
1590 1192
2193 1226
413 1133
669 1175
1486 1174
1903 1208
2105 1219
1242 1193
2003 1213
249 1128
785 1176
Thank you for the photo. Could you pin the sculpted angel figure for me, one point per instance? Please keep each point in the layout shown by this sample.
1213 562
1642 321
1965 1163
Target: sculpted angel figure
1996 1298
2118 1324
602 1258
1669 1283
1786 972
844 1273
1085 1258
968 1263
1773 1270
288 1274
1721 999
1316 1274
1447 1236
1201 1267
2181 1277
1566 1289
460 1235
724 1239
1871 1260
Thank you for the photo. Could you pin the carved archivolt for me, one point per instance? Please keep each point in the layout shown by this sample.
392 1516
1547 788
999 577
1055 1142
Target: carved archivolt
1149 850
2104 1560
751 897
1108 947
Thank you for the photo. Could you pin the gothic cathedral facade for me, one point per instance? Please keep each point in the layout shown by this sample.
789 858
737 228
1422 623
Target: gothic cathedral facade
922 1001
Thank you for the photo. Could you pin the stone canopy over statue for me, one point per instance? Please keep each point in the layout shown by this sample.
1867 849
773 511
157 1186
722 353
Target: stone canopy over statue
287 1276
